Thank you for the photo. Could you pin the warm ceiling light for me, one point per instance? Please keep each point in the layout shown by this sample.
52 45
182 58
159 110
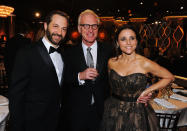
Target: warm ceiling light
182 8
37 14
155 3
5 11
175 17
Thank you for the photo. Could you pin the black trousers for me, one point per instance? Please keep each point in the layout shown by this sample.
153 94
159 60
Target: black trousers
88 122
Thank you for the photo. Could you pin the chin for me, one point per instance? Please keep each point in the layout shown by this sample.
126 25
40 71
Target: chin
57 40
55 43
91 40
127 52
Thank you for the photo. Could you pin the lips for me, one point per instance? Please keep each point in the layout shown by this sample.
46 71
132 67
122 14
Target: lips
57 37
128 47
90 35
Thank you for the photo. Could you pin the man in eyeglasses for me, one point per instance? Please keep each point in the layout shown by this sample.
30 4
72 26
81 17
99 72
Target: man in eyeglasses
85 77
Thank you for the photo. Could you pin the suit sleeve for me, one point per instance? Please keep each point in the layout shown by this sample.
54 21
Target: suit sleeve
17 89
71 77
70 73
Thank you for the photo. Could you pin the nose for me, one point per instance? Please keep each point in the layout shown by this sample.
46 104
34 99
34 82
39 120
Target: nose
90 29
128 42
59 31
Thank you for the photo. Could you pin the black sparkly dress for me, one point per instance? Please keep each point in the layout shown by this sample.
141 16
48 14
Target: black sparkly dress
122 113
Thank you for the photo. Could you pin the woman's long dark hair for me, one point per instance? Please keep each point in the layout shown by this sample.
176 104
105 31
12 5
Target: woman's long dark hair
121 28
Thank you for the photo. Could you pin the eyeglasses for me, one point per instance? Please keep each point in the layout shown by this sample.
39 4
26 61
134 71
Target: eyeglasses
87 26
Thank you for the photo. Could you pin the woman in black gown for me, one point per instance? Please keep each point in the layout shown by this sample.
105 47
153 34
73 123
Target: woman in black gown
125 109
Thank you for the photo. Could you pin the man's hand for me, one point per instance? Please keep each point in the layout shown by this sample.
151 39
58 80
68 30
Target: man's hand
144 98
88 74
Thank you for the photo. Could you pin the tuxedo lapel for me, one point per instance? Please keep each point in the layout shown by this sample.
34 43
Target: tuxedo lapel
61 81
47 59
100 52
81 58
45 55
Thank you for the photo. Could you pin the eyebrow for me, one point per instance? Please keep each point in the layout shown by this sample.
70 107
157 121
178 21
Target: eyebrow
55 24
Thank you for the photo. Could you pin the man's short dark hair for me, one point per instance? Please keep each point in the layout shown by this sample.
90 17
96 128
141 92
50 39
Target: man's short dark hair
55 12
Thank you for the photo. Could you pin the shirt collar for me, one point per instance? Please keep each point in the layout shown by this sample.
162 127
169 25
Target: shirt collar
93 46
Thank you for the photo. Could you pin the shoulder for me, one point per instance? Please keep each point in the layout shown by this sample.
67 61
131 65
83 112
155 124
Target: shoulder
72 51
71 48
26 48
106 46
30 49
147 64
143 60
112 62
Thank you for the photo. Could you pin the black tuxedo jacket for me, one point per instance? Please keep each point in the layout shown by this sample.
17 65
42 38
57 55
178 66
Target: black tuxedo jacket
34 92
77 98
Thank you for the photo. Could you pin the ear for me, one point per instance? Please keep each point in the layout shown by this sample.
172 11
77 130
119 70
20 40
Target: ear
45 26
79 29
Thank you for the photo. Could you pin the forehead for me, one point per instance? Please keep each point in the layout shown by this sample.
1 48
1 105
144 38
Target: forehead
127 32
58 19
88 19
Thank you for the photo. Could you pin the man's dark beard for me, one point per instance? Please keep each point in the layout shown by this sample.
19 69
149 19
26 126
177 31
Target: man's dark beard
49 36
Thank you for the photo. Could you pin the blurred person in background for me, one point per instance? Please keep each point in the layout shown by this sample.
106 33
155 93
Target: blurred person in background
39 33
18 41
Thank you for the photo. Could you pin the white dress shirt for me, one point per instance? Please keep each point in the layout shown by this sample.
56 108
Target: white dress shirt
56 59
94 55
93 52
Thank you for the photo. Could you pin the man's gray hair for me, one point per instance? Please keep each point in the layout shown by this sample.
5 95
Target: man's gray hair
87 12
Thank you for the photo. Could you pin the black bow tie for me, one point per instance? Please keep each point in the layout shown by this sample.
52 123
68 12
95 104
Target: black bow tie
52 49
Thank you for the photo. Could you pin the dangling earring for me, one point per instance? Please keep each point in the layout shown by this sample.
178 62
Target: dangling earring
117 45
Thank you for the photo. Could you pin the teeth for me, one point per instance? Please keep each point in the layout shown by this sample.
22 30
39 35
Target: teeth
90 35
128 47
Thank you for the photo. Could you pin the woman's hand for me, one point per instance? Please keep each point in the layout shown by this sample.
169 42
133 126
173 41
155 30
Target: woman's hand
144 97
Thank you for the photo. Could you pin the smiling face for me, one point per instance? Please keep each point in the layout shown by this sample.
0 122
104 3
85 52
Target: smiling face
88 35
56 29
127 41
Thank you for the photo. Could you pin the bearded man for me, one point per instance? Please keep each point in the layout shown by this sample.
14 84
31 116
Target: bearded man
36 80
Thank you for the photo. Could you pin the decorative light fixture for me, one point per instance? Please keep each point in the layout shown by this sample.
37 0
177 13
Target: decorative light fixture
141 3
5 11
37 14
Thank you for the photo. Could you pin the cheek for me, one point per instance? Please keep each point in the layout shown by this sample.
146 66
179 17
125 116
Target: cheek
96 32
135 44
83 32
64 33
121 43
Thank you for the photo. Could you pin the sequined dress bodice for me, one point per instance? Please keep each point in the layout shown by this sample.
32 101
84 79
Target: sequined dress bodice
122 112
127 86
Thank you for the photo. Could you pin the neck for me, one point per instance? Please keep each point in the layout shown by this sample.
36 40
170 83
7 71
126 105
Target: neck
88 43
55 46
128 58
